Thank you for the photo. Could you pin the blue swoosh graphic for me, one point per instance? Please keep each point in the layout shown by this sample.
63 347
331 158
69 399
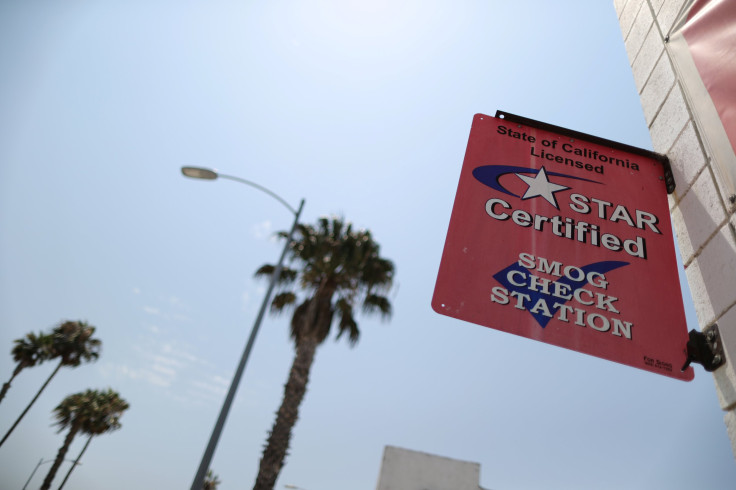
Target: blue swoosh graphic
491 174
600 267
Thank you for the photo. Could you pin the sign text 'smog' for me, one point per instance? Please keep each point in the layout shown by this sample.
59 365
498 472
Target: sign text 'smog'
567 242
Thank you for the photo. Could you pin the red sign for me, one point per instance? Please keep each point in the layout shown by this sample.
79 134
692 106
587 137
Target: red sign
567 241
702 45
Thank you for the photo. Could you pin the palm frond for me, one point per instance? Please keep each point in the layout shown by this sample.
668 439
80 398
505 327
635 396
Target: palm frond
287 276
347 322
324 226
283 301
378 274
265 270
374 303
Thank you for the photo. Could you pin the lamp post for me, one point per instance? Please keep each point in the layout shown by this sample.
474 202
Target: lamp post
207 174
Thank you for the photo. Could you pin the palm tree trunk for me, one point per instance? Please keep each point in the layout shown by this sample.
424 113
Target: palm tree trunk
6 386
76 462
278 441
30 404
60 457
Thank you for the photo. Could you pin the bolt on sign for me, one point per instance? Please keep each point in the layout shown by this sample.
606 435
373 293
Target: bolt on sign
565 238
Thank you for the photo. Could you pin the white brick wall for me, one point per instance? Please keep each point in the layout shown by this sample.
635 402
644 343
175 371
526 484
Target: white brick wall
703 218
669 121
655 91
686 157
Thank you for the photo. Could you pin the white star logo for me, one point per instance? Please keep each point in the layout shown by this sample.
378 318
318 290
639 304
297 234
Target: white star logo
541 186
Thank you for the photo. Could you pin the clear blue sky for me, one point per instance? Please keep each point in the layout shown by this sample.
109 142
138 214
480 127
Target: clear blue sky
363 109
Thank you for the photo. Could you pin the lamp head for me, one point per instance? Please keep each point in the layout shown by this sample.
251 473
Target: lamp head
199 173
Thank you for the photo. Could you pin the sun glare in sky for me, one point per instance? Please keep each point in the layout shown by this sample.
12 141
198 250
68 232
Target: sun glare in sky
362 31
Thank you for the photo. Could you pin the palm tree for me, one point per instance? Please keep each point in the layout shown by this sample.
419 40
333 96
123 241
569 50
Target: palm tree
28 351
90 412
72 343
211 481
339 270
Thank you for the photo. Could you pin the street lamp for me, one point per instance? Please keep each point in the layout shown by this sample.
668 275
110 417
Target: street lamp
207 174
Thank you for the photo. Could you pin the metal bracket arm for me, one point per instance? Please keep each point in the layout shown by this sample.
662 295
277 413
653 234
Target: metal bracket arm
705 348
669 179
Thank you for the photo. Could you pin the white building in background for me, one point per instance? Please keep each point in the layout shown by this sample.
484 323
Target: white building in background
691 120
403 469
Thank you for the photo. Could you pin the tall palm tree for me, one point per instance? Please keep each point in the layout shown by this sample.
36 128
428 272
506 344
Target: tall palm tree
339 270
71 343
27 352
90 412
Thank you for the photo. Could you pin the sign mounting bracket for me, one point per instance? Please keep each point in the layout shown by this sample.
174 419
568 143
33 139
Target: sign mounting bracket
669 179
705 348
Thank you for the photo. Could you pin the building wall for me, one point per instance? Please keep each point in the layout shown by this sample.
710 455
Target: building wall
702 212
403 469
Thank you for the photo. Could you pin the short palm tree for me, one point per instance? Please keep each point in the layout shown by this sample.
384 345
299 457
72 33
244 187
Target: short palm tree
211 481
340 269
90 412
71 343
27 352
